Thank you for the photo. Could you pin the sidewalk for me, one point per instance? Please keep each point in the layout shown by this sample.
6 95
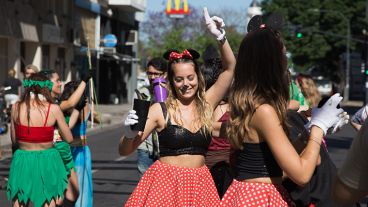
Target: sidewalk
111 117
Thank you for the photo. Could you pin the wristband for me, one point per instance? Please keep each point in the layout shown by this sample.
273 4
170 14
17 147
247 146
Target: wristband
222 40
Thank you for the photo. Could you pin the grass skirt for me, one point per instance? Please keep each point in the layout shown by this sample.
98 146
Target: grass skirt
36 176
255 195
83 169
66 155
168 185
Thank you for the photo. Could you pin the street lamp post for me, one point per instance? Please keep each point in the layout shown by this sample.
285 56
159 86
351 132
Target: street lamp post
347 71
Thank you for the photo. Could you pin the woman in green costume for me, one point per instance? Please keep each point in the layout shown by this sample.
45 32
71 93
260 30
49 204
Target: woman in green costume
37 173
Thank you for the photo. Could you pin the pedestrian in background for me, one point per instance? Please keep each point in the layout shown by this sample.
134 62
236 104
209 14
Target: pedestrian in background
12 95
219 151
147 152
358 119
37 173
29 70
183 124
309 89
72 193
78 120
257 127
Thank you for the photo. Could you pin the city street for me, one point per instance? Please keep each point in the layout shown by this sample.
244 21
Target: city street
115 177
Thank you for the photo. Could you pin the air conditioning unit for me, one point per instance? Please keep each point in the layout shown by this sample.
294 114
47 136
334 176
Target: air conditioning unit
132 37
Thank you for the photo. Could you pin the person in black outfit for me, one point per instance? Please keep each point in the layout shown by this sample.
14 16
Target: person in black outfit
12 95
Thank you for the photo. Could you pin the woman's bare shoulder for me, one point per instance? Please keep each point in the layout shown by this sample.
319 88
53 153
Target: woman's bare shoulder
264 113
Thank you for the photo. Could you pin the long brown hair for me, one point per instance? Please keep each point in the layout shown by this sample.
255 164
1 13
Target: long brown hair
203 109
260 78
35 89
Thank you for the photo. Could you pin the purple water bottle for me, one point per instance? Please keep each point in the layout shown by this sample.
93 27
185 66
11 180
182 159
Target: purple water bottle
159 91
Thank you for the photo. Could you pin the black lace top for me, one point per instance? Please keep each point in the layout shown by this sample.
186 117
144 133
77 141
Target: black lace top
177 140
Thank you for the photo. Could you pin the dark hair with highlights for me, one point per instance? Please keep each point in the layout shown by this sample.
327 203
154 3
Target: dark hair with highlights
260 77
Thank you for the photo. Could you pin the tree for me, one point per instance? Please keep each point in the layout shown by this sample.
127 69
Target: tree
160 32
323 26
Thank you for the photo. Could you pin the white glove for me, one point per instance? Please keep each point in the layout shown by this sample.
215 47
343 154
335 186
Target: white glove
344 119
130 120
328 115
215 25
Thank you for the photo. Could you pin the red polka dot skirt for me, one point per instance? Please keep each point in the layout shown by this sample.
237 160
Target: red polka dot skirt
247 194
168 185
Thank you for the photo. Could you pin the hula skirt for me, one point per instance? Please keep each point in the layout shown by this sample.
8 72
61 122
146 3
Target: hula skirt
36 176
168 185
66 155
83 169
255 195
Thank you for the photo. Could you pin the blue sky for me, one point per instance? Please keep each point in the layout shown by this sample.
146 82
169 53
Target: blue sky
212 5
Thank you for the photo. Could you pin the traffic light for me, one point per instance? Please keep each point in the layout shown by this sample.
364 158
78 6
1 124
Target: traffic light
298 32
363 68
299 35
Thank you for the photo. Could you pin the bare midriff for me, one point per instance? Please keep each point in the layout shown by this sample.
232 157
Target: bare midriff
270 180
191 161
35 146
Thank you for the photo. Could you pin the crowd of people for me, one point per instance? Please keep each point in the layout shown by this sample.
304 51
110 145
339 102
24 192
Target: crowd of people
233 131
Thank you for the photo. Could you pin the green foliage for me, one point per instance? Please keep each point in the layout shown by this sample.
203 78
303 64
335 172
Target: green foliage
163 33
323 24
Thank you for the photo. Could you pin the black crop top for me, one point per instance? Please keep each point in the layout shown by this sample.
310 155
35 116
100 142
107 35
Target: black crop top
177 140
256 160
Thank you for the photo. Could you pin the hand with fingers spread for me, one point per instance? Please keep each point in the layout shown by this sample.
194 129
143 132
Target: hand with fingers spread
215 25
130 120
328 115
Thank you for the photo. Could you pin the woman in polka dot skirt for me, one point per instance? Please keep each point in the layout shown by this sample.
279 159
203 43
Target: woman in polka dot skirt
180 178
257 127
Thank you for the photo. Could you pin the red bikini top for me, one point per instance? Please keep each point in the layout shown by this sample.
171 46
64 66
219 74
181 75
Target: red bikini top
35 134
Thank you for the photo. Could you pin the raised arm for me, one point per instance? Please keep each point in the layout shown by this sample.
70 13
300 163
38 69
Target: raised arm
74 98
132 139
214 95
64 130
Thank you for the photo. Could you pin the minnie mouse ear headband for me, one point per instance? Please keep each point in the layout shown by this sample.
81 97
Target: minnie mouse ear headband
172 54
275 22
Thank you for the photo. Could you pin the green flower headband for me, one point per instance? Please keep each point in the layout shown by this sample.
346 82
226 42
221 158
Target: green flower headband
29 83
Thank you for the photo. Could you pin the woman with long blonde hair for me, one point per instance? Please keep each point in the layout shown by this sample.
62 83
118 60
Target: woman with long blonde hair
183 124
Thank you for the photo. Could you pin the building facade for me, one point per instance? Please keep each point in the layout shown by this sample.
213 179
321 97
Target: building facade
55 34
